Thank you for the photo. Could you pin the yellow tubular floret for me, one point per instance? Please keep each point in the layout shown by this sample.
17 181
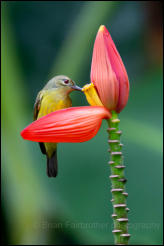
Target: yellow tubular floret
91 95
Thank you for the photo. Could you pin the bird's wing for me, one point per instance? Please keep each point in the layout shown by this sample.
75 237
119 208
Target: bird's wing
37 104
36 111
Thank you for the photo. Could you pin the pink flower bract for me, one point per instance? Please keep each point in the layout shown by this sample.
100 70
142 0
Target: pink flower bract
108 73
77 124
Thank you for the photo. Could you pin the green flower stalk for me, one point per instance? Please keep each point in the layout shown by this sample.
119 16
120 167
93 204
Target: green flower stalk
118 180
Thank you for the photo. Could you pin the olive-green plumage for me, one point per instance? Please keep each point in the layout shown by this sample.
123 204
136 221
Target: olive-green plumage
54 96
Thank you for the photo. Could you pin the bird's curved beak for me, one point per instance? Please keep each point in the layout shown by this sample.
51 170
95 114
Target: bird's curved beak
77 88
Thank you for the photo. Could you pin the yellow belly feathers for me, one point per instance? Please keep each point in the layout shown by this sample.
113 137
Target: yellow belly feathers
52 101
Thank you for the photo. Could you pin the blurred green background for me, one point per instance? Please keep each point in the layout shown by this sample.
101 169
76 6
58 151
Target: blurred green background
43 39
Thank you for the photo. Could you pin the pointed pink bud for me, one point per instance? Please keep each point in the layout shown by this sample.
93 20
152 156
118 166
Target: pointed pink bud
108 73
76 124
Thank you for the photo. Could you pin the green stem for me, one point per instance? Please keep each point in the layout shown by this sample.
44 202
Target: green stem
118 181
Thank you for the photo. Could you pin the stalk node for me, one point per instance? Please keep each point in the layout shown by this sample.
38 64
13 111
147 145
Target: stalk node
111 129
120 166
113 141
125 235
122 219
111 162
117 190
122 180
116 153
117 231
119 205
119 132
115 120
113 176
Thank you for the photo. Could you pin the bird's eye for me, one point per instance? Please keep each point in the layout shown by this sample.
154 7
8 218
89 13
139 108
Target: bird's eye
66 81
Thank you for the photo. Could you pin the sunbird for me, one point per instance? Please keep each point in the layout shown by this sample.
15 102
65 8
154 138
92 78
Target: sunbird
53 96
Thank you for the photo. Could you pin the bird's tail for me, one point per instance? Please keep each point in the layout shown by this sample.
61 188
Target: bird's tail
52 165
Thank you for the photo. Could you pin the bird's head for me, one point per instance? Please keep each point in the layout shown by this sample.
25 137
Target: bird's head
62 81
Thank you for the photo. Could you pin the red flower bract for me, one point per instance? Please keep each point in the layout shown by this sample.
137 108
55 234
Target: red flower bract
108 73
77 124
